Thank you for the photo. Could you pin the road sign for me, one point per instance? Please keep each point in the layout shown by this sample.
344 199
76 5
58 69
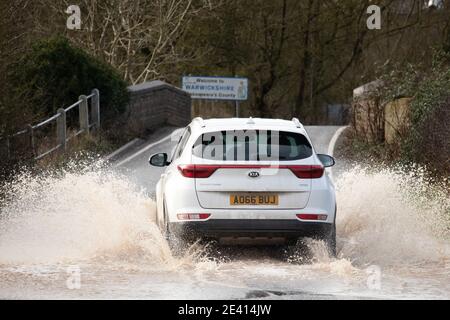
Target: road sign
216 88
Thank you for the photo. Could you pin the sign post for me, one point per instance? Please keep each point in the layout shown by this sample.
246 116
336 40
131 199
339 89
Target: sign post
217 88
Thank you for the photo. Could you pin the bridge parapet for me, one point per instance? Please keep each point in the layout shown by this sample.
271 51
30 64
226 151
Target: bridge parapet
156 103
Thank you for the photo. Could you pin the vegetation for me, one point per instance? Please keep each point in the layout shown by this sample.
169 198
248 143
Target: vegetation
54 73
427 140
298 55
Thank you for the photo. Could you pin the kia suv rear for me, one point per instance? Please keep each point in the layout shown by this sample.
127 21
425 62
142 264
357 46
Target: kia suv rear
238 180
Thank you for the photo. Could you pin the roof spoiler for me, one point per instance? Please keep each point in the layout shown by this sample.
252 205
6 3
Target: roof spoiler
200 121
297 123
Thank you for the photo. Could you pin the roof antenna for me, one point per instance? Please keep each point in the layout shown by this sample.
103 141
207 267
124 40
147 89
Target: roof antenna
251 121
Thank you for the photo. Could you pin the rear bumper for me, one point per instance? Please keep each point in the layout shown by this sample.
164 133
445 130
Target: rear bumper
216 228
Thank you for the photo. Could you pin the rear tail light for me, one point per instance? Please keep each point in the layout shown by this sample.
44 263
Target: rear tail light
197 171
307 172
206 171
193 216
315 217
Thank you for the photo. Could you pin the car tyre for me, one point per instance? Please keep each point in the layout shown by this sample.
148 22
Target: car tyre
167 232
330 242
177 244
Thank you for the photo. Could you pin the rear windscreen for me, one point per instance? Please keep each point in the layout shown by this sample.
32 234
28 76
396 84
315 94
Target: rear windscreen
252 145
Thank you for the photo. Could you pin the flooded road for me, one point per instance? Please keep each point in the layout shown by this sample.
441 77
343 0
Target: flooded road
88 233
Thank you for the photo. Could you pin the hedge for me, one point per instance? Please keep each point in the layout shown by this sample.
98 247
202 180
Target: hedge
55 73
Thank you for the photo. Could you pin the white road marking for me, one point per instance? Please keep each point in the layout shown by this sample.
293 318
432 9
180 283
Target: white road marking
333 140
115 153
141 151
332 145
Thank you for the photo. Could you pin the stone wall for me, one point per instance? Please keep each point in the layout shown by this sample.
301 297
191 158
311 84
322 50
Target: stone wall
396 120
374 121
155 104
367 113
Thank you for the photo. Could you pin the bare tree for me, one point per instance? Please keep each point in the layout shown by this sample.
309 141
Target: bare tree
138 37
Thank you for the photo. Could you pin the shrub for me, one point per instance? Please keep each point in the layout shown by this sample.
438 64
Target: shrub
428 140
55 73
434 138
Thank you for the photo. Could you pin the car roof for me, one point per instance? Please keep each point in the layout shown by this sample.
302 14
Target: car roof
247 123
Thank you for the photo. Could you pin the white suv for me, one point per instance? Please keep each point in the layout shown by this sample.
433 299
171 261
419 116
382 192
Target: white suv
237 180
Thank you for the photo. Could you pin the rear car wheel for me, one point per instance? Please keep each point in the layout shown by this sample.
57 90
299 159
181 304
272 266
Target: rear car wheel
168 234
331 239
330 242
177 244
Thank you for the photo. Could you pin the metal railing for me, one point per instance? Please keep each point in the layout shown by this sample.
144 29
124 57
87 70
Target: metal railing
89 118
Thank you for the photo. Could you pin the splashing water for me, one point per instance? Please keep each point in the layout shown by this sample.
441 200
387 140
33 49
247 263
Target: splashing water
389 217
392 218
78 216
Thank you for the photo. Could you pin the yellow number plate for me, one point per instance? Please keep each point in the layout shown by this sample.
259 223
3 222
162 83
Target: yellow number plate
254 200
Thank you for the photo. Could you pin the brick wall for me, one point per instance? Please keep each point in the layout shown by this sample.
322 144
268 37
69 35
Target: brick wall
155 104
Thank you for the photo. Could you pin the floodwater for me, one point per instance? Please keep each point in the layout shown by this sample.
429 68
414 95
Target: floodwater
89 234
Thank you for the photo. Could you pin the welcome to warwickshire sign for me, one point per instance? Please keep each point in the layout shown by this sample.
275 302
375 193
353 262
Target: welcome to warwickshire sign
216 88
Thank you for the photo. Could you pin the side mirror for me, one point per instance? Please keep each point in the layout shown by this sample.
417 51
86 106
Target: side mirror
326 160
159 160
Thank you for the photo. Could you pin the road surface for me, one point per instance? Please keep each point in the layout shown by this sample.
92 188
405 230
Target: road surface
89 234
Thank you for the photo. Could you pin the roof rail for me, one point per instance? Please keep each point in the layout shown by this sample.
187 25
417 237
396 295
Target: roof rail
200 121
297 123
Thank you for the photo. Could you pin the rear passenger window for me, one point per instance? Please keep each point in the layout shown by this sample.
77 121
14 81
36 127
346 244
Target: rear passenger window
252 145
